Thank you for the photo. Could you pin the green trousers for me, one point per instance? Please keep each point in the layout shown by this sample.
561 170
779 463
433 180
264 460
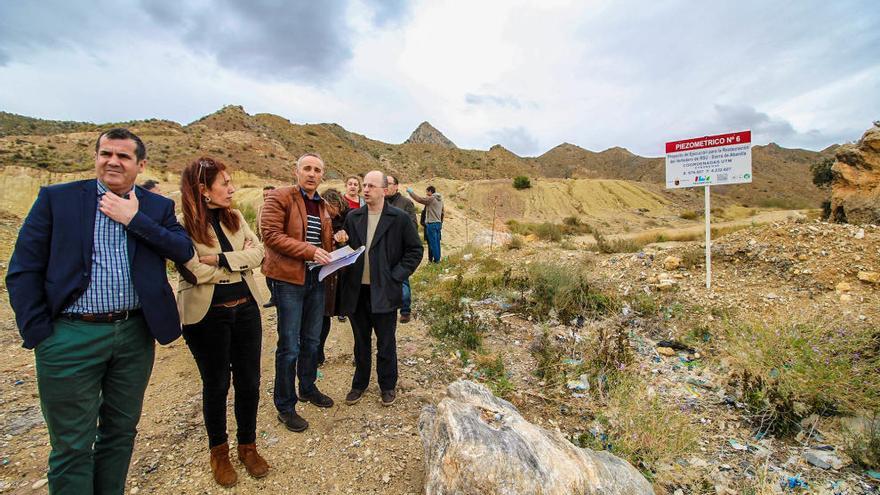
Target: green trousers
91 378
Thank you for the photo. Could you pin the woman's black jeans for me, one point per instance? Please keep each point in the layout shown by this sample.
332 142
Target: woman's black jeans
228 341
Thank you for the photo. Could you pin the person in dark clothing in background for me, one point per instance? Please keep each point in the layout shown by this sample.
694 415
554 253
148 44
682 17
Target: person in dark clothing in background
393 197
267 190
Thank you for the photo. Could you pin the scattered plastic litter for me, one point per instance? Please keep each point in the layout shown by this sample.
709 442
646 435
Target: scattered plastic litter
19 382
873 474
794 482
736 445
678 346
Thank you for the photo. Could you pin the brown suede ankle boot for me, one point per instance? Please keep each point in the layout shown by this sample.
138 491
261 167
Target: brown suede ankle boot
224 473
254 463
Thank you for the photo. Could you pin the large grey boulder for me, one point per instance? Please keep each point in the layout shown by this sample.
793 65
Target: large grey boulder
476 443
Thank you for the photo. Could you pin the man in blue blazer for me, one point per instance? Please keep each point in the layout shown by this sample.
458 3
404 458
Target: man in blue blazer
88 285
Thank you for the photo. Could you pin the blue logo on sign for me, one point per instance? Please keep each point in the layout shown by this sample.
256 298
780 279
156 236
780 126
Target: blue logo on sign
702 179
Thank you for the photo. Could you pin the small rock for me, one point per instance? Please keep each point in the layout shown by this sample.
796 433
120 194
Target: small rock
666 284
870 277
671 263
666 351
844 298
843 287
39 484
860 234
823 459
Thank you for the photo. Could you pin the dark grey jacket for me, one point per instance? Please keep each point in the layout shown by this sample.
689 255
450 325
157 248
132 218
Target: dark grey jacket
400 201
395 254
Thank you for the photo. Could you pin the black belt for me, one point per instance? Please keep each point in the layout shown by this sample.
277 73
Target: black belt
103 317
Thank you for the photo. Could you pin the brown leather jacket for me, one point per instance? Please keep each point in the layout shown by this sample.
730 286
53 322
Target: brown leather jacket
283 226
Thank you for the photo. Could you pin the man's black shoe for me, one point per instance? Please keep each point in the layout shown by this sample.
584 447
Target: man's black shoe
269 304
354 396
388 397
293 421
341 318
318 399
405 317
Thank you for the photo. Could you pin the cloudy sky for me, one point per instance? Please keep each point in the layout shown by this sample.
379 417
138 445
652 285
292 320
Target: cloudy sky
526 74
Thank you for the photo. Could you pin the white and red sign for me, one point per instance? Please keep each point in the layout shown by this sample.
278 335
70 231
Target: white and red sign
709 160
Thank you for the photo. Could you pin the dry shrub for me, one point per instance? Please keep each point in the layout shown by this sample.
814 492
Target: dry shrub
789 370
642 427
516 242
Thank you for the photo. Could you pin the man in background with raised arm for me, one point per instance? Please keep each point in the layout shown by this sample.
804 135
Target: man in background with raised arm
433 219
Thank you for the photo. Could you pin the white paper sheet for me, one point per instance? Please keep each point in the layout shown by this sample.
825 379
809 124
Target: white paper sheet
343 256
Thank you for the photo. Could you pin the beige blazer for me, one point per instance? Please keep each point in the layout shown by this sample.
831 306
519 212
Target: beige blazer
194 300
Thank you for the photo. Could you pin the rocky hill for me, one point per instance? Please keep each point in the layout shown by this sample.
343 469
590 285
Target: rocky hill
425 133
266 145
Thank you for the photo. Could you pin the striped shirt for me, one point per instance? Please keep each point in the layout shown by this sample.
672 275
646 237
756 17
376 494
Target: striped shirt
313 222
110 288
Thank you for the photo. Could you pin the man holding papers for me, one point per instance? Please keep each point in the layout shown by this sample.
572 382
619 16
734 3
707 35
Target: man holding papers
371 289
298 235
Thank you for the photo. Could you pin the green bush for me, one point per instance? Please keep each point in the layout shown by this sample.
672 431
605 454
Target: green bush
567 291
454 322
521 182
250 215
822 173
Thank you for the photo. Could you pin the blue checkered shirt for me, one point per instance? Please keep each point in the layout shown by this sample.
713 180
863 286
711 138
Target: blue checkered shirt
110 288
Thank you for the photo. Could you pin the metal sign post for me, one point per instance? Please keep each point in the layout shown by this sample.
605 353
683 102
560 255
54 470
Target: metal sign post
708 215
709 161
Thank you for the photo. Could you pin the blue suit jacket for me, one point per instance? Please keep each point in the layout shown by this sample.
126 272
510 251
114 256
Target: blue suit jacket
51 265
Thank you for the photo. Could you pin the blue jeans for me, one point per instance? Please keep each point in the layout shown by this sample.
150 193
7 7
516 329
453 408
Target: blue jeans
300 311
407 298
432 232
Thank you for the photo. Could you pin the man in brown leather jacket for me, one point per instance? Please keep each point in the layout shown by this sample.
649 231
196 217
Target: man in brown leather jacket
297 235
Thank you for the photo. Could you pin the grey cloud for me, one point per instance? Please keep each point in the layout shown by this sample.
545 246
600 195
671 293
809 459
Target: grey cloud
279 40
486 99
304 41
4 58
769 129
516 139
740 117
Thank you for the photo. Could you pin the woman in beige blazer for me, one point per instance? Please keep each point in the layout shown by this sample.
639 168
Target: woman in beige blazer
219 305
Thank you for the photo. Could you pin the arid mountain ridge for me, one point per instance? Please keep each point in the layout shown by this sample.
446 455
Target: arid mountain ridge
266 145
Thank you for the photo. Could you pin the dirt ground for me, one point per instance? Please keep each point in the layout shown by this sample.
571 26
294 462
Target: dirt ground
365 448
